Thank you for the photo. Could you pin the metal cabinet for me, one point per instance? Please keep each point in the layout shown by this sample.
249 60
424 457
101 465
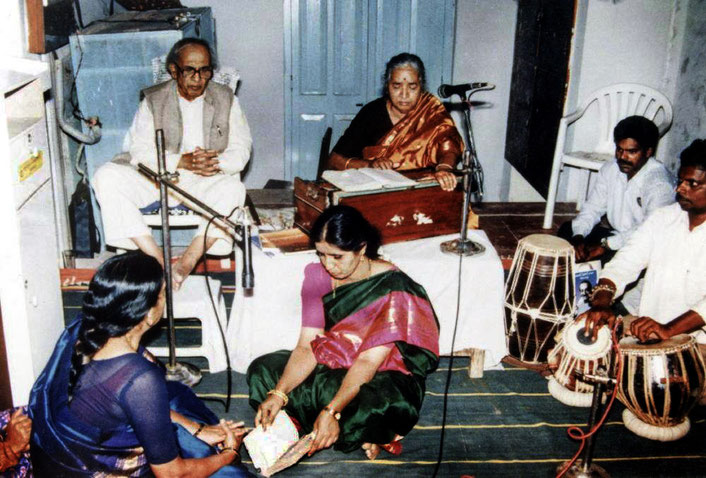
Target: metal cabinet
30 294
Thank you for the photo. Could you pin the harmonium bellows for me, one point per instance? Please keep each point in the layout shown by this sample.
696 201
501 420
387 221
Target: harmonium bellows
400 214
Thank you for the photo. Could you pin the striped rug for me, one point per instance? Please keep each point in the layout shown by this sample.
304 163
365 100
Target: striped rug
505 424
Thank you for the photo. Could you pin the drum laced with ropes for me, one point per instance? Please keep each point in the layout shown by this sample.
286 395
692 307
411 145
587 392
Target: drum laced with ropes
659 385
577 354
539 296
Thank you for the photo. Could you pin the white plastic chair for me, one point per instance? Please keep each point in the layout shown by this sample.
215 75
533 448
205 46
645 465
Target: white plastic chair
614 102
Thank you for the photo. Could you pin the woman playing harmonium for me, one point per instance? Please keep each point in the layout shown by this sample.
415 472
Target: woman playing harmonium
369 338
102 406
408 128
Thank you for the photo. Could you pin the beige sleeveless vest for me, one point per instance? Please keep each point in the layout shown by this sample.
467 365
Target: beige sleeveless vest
163 102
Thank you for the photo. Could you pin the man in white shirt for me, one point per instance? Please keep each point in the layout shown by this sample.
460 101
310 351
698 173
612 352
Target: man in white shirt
207 140
671 246
626 190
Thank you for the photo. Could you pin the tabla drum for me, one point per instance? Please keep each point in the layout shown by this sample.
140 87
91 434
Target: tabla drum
539 296
659 384
574 353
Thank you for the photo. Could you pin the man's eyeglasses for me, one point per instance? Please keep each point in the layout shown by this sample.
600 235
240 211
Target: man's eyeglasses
205 72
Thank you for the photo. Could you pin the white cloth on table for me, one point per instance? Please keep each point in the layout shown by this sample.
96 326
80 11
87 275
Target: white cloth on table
270 320
675 259
626 203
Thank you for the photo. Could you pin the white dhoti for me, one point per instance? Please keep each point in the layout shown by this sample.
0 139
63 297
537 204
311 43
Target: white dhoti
121 190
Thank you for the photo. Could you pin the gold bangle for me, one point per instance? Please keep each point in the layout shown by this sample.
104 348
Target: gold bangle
606 288
280 394
345 166
443 164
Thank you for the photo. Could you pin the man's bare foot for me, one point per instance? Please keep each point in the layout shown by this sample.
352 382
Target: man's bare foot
371 450
179 274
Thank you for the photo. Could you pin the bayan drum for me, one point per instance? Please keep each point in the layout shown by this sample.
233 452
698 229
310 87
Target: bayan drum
574 353
539 296
659 384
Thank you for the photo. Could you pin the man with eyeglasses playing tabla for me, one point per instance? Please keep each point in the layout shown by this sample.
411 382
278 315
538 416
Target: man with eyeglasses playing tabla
207 140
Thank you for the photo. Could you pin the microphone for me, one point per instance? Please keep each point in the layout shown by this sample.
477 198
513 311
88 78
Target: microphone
449 90
248 278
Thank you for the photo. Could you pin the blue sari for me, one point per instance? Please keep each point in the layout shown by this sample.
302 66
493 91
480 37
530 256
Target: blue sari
63 445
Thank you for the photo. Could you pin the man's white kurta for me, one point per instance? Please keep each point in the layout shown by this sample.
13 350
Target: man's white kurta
675 259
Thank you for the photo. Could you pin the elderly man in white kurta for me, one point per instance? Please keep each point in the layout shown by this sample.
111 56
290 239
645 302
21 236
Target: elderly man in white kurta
207 140
671 246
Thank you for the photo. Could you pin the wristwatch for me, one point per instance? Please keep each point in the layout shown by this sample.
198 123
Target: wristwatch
337 415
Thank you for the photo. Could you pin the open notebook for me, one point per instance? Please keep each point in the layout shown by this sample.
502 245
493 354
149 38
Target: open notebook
366 179
277 448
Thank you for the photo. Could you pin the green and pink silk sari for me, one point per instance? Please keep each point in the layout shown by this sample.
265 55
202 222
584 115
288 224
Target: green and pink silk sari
388 309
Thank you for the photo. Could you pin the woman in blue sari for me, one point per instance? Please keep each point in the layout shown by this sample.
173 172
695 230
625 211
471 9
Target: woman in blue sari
102 405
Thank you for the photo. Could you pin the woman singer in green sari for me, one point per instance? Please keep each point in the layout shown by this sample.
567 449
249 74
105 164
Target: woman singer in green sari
368 340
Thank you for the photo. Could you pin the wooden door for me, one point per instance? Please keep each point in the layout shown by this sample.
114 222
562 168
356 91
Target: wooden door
539 83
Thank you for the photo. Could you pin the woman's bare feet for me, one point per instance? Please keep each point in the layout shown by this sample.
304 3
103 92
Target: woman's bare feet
371 450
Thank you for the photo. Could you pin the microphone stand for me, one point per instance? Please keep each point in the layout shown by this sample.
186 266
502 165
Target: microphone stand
472 173
187 373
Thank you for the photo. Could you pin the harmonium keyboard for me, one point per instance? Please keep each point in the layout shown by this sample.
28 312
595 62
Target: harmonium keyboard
400 214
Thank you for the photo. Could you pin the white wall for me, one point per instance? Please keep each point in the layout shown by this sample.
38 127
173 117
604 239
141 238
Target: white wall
250 37
630 40
689 109
12 27
485 35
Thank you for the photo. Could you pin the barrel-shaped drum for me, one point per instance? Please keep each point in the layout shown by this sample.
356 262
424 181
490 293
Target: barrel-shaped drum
576 354
659 384
539 296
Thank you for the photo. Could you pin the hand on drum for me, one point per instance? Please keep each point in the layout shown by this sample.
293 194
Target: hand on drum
597 317
645 328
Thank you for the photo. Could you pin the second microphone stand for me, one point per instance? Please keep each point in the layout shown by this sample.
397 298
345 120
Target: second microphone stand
472 176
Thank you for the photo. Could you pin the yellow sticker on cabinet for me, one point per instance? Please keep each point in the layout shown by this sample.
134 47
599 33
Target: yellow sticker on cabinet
31 165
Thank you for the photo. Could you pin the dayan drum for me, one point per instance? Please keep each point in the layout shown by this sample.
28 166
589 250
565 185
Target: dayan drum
539 296
574 353
659 384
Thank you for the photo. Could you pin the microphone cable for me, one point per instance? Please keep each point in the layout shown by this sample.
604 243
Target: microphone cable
229 378
449 370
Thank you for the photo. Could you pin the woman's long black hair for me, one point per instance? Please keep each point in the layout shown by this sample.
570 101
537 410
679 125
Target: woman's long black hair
120 295
346 228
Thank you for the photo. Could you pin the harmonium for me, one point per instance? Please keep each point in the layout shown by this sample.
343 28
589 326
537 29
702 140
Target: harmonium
400 214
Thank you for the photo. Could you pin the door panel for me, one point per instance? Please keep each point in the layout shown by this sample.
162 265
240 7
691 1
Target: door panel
329 54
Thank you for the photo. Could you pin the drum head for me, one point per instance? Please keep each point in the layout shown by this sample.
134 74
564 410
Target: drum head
545 243
678 342
580 346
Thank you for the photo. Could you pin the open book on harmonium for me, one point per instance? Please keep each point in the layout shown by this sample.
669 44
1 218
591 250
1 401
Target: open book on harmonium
410 209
